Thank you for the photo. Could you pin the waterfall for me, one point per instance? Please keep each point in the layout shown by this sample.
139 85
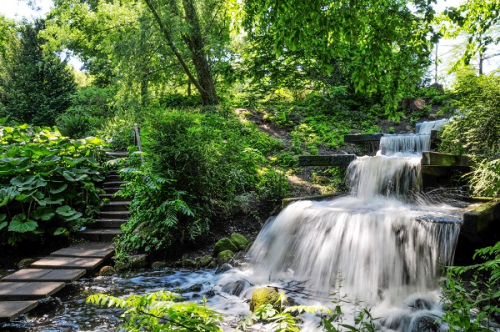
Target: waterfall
375 240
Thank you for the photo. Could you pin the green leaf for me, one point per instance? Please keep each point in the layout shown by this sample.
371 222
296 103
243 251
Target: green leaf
3 225
58 189
61 231
22 181
68 213
19 225
44 214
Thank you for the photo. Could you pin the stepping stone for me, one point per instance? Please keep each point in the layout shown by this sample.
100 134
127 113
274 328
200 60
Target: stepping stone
19 291
103 235
108 223
12 309
52 262
84 252
30 275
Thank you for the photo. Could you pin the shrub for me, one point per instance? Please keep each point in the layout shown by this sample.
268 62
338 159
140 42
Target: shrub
46 182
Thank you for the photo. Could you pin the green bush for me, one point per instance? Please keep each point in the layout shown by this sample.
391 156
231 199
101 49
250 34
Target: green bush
46 182
475 129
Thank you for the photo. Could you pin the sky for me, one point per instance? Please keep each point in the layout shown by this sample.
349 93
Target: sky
18 9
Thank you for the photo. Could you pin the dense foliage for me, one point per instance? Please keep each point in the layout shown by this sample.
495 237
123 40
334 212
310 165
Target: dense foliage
38 84
475 129
47 182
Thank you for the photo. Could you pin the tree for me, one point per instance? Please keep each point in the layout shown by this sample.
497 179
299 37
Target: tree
8 45
155 45
479 21
382 44
40 84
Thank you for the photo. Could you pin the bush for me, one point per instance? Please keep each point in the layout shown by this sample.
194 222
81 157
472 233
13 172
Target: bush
475 129
46 182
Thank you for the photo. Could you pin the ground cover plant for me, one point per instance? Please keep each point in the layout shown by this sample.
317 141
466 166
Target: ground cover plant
47 182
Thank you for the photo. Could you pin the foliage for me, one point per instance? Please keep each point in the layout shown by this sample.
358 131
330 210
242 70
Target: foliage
212 159
479 20
159 217
39 84
475 129
46 182
383 45
161 311
470 306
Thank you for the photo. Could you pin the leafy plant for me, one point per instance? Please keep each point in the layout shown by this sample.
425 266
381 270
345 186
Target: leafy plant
47 182
161 311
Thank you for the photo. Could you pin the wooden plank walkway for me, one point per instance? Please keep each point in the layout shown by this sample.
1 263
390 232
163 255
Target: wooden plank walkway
33 275
13 309
50 274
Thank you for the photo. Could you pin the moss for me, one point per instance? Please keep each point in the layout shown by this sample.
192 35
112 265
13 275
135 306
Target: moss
205 260
262 296
239 240
225 256
224 244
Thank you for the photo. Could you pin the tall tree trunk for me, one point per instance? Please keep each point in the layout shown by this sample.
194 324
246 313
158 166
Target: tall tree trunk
198 55
204 84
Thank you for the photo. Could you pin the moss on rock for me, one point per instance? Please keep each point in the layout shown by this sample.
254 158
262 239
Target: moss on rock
239 240
225 256
224 244
262 296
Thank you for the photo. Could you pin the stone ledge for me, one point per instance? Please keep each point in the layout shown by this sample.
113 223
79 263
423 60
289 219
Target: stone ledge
480 217
287 201
333 160
360 138
444 159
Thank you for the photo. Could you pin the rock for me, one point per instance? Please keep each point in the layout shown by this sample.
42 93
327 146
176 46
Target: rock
26 262
225 256
210 293
239 240
212 265
194 288
205 260
138 261
106 271
264 295
122 266
188 263
224 244
223 268
159 265
235 288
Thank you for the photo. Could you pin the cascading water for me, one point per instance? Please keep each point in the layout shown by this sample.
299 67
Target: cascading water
374 240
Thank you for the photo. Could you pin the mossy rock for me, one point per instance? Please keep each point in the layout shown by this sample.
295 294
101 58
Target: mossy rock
188 263
225 256
159 265
262 296
225 244
249 245
107 271
239 240
205 260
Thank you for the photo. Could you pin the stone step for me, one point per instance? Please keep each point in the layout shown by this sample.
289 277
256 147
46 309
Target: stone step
112 190
116 206
47 275
100 235
108 223
333 160
10 310
52 262
361 138
21 291
123 215
444 159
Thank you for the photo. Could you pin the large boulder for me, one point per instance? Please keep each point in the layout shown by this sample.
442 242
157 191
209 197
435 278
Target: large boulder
239 240
106 271
225 256
205 261
225 244
262 296
138 261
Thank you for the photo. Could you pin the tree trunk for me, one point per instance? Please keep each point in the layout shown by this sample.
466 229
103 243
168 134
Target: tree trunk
416 105
200 59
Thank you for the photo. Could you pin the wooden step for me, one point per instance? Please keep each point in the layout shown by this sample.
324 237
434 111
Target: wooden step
89 252
100 235
116 206
112 190
48 275
52 262
113 183
10 310
21 291
108 223
124 215
117 154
